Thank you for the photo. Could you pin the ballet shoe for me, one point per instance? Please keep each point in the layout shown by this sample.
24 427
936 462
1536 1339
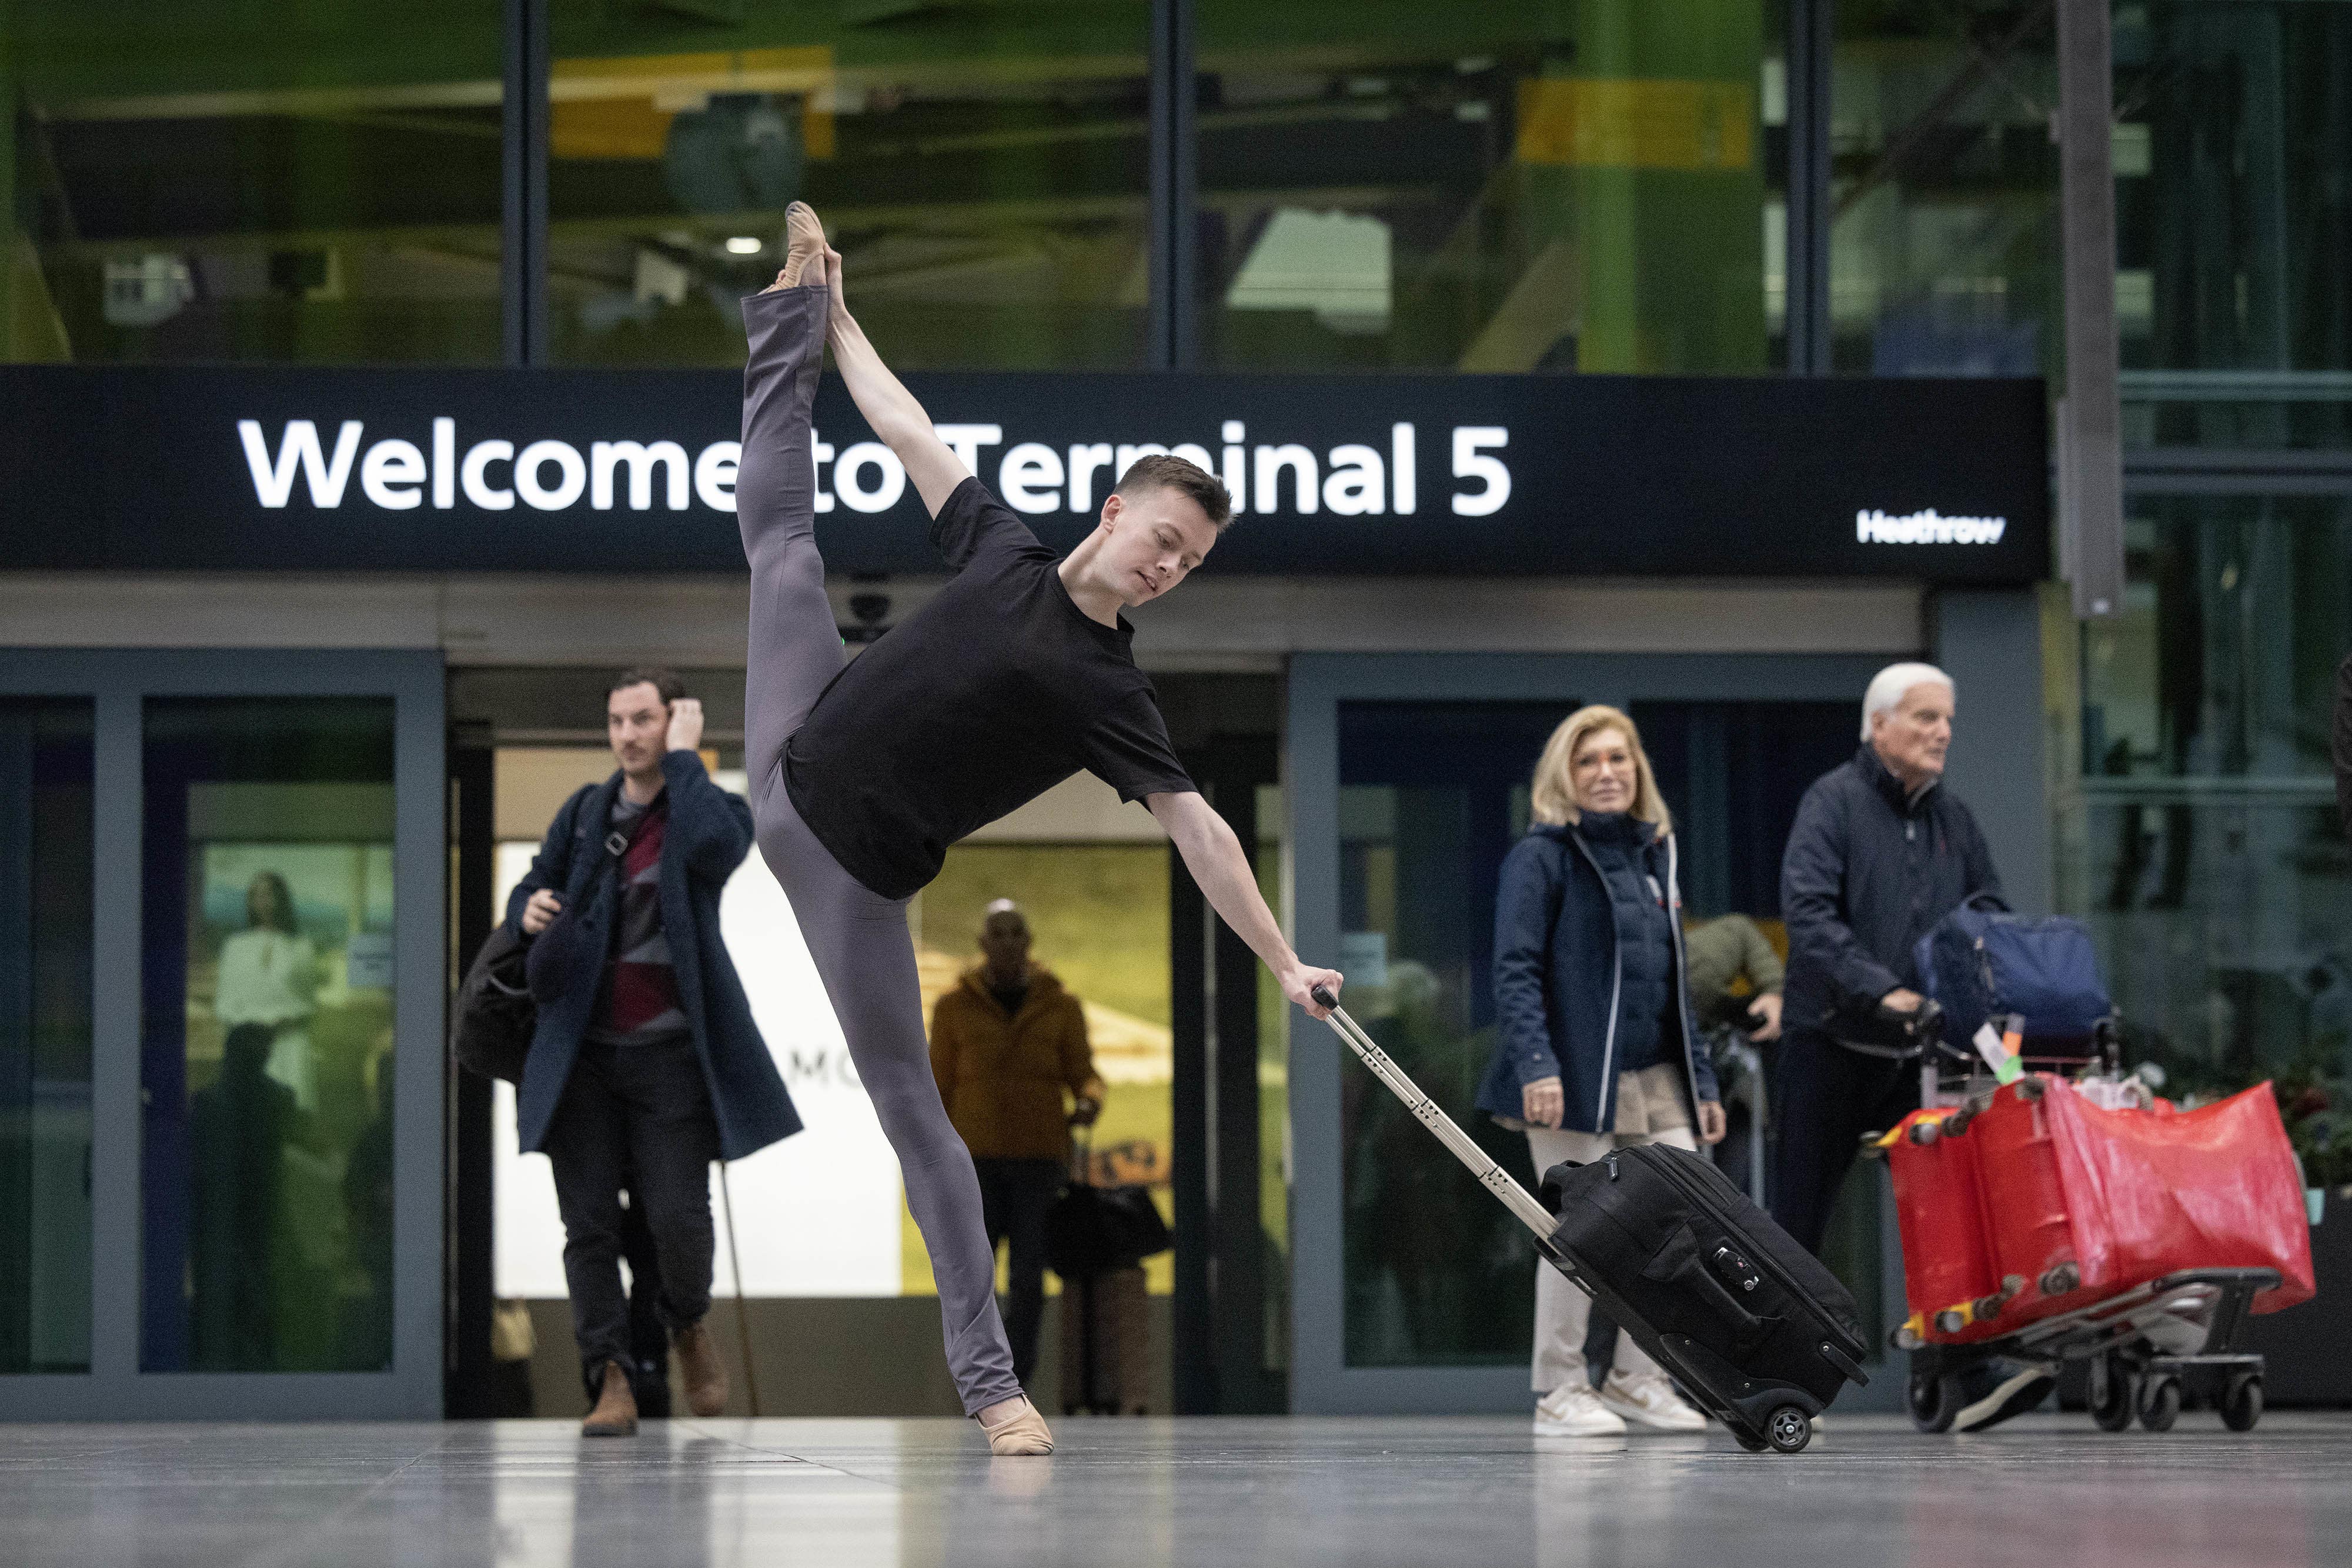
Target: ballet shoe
804 247
1024 1432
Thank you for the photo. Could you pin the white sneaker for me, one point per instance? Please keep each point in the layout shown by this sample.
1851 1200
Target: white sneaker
1574 1410
1647 1398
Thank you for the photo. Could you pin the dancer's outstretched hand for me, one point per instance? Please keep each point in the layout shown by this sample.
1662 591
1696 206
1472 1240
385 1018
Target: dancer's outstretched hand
1300 985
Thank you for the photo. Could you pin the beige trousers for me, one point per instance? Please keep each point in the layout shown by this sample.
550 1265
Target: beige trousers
1653 1107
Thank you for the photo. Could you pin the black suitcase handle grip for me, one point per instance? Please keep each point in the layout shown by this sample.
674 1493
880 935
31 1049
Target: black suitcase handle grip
1323 997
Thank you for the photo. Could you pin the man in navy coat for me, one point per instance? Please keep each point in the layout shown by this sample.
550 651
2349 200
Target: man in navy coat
645 1064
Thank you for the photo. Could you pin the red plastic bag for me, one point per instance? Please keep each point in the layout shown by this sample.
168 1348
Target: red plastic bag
2153 1193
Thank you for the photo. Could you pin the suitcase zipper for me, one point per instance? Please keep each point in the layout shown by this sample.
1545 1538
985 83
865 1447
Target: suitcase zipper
1764 1263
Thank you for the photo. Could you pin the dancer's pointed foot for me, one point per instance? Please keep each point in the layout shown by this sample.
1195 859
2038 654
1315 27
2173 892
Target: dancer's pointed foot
1013 1427
803 249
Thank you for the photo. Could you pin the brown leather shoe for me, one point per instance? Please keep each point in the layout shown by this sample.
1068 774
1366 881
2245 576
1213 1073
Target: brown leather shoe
705 1375
615 1415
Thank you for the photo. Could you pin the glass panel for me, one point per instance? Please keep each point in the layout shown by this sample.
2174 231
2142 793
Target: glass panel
2232 147
1943 215
1495 189
268 1035
983 172
45 926
218 180
1430 798
1506 186
2203 844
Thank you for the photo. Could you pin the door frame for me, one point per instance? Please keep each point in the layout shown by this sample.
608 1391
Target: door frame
117 682
1321 1383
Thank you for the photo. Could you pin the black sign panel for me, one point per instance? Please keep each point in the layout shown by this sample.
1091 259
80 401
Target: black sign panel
469 470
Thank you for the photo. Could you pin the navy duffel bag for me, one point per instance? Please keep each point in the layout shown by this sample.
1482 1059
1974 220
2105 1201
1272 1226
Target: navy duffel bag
1981 961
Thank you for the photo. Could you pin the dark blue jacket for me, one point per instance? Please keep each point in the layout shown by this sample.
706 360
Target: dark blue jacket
1867 872
1556 979
708 833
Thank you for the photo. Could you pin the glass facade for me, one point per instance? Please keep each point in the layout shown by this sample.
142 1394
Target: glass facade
46 933
983 172
1492 186
219 181
267 1035
1943 196
2197 825
2233 151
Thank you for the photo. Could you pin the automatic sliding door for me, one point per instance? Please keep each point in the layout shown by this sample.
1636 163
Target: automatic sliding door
267 1047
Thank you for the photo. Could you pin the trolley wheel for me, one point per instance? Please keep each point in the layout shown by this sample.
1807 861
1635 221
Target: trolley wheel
1934 1403
1788 1428
1753 1444
2114 1413
2159 1403
2241 1403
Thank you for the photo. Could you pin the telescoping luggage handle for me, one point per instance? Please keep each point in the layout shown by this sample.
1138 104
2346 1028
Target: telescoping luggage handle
1494 1177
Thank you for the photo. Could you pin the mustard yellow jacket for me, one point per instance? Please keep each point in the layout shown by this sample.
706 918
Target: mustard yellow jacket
1002 1077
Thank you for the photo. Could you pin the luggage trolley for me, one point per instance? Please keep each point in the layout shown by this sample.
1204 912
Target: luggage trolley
2147 1347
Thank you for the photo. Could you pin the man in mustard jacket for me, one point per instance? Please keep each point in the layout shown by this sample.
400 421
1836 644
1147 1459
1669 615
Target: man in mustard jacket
1006 1044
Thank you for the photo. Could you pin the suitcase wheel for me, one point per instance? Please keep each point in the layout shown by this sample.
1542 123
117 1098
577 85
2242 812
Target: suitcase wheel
1753 1444
1788 1428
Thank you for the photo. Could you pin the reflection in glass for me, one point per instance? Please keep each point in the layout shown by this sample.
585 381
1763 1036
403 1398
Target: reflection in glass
2232 150
1510 187
1430 798
1944 217
212 181
983 171
267 1033
45 931
2202 843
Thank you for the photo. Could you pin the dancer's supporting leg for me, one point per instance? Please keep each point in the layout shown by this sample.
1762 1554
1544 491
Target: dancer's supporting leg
858 938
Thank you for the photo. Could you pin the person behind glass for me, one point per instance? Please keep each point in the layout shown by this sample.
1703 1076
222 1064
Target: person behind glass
1595 1045
1006 1044
645 1064
1878 854
269 978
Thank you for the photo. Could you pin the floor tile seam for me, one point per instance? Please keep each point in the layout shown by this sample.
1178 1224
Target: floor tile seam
285 1551
796 1459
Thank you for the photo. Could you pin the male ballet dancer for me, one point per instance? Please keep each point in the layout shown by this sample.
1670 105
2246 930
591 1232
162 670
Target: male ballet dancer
1016 675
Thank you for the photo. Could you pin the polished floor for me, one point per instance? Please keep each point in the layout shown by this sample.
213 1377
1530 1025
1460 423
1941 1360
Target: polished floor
2045 1492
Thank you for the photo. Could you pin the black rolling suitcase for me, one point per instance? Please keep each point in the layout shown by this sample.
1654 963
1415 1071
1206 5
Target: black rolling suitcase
1753 1326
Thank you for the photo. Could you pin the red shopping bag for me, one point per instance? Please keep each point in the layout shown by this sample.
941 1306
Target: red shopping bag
2151 1193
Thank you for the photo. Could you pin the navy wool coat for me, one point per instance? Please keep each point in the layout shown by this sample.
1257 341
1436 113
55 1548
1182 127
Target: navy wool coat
709 833
1556 930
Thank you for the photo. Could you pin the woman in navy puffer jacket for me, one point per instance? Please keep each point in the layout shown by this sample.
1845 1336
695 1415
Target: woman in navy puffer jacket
1595 1048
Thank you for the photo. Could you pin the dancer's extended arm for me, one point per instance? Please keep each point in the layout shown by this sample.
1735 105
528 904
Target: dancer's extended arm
1213 855
888 406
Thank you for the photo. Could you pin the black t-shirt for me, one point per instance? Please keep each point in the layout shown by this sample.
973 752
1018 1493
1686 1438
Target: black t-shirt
981 701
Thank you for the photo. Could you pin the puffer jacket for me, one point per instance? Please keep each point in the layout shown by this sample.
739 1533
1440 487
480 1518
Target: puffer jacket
1559 987
1002 1076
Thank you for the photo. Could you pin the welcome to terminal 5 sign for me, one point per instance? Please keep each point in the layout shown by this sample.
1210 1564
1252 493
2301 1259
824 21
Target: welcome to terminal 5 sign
471 470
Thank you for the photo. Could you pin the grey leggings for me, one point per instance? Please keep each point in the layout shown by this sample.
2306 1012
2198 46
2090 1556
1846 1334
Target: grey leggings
857 938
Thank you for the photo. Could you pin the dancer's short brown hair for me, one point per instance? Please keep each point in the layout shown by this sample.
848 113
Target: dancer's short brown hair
1164 471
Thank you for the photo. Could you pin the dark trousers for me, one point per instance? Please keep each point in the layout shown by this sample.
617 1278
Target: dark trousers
639 1117
1015 1196
1825 1097
649 1335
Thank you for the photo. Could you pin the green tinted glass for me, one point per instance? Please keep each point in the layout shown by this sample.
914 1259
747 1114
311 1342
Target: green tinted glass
222 179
